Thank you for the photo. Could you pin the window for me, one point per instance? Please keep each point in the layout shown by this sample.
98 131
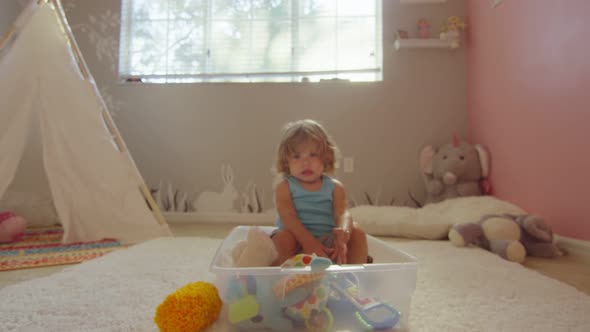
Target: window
250 40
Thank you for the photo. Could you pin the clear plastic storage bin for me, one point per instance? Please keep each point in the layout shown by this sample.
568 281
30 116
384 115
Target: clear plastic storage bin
317 297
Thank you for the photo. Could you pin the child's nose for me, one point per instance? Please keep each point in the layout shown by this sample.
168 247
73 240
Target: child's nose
306 160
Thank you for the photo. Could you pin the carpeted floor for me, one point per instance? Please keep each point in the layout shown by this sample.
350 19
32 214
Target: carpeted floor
42 247
457 290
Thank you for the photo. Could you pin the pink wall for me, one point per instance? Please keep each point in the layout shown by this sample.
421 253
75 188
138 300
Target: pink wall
529 103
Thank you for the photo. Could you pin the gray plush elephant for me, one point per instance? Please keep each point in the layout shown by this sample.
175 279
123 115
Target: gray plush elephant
513 237
454 170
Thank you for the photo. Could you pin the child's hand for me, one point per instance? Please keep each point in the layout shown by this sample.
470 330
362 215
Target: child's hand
316 247
340 245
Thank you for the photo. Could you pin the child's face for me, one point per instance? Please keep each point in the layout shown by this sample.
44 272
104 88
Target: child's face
306 163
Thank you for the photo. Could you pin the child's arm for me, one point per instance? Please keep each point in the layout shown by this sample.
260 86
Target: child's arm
342 221
291 222
341 214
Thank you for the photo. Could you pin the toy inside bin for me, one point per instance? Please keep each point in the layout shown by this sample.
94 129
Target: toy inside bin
317 296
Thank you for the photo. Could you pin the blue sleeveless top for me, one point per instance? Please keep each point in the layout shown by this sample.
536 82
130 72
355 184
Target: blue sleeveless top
314 209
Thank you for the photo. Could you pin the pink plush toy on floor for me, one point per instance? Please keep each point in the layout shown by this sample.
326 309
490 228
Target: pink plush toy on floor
12 227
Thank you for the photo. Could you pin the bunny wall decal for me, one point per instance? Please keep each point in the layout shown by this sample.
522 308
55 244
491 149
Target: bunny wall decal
219 201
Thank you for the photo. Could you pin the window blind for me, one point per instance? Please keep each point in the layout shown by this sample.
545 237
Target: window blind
250 40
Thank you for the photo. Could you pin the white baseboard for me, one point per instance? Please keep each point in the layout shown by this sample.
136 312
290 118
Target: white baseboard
579 248
221 218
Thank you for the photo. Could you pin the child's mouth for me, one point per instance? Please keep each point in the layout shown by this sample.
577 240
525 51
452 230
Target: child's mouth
307 172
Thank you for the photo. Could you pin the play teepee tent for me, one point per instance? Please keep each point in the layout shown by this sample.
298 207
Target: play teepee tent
49 106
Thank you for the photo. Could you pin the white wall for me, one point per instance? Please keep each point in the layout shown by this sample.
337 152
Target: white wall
182 133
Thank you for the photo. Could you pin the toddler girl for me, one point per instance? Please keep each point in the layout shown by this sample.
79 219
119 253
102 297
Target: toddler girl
312 211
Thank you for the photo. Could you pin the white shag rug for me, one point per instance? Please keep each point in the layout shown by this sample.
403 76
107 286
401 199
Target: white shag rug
458 289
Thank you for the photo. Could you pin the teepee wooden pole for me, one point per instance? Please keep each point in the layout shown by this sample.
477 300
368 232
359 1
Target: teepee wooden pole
7 37
105 113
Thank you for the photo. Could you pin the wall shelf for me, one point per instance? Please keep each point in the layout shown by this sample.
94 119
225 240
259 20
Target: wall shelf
422 43
411 2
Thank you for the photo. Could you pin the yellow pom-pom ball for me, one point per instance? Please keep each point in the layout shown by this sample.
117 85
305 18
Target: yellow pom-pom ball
191 308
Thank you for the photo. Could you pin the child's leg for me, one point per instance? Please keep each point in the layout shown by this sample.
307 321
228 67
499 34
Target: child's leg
286 245
357 246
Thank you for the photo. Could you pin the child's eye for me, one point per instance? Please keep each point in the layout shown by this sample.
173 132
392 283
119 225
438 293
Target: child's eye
295 156
314 155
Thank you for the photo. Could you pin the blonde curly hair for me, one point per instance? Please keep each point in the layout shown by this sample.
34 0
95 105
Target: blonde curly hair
302 132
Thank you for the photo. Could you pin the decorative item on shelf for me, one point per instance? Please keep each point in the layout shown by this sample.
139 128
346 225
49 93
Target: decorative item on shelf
402 34
423 28
451 32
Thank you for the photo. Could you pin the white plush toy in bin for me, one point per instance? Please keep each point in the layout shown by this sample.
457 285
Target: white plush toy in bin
257 250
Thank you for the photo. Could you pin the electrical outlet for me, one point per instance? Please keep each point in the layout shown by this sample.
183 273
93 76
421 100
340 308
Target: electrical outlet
348 164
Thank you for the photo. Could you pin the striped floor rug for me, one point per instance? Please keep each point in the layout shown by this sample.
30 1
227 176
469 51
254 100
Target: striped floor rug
42 247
